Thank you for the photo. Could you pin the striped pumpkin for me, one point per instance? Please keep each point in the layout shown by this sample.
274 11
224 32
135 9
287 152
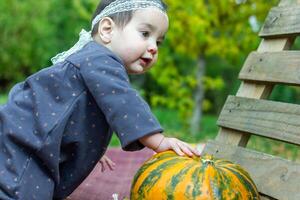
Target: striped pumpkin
166 176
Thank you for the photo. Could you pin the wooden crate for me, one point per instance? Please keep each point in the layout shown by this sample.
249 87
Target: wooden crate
250 113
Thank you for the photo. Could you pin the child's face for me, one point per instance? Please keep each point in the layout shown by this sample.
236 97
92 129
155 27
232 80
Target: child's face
137 42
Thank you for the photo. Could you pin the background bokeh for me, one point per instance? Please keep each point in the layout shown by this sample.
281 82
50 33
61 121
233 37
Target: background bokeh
198 66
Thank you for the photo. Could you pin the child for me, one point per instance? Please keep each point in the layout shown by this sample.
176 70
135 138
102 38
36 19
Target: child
58 123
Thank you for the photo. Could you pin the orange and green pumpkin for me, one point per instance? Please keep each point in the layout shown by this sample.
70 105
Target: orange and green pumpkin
166 176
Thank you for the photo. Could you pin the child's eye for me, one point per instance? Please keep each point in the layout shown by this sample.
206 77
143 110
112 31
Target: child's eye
145 33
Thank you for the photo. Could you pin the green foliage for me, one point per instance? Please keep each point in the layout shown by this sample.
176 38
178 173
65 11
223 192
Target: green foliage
3 99
24 37
35 31
174 128
218 30
277 148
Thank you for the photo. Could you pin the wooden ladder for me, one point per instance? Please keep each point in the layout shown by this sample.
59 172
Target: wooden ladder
249 112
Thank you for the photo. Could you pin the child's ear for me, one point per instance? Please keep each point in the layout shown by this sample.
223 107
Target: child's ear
105 29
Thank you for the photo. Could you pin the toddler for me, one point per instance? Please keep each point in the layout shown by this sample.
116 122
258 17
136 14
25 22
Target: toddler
58 123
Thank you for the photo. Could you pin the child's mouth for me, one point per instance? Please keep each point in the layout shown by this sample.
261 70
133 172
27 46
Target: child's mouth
145 61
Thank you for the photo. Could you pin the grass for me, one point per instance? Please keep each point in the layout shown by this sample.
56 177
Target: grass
3 99
277 148
170 120
173 127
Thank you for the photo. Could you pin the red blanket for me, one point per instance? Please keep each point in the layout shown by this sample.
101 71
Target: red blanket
101 186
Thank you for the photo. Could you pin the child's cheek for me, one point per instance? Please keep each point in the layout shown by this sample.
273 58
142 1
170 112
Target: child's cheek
154 59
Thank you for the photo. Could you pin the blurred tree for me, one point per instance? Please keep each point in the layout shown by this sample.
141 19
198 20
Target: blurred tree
34 31
213 33
199 30
25 37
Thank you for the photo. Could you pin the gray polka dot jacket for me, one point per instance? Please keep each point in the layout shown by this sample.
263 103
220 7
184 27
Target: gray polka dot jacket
58 123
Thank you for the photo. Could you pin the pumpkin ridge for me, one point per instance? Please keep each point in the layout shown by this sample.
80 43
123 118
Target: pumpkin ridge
153 176
196 182
241 172
148 164
209 173
156 159
175 180
246 183
226 182
167 176
189 186
222 183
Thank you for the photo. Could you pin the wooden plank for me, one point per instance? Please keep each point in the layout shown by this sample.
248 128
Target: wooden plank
259 91
273 176
288 2
272 67
282 21
276 120
262 197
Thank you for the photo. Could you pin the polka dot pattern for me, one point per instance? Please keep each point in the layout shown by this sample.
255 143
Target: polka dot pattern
64 116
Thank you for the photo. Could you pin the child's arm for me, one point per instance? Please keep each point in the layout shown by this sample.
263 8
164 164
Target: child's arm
158 142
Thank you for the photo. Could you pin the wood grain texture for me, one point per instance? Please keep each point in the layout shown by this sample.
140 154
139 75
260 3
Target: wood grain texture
276 178
253 90
256 90
280 121
272 67
288 2
282 21
273 176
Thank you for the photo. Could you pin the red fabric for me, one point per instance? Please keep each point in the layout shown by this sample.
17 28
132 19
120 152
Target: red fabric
101 186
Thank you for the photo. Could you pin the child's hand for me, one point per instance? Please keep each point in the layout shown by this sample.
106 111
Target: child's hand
105 161
178 146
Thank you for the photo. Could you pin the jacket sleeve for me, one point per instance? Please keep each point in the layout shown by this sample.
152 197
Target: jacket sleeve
128 115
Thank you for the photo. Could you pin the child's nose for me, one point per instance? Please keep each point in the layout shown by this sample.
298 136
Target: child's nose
152 47
152 50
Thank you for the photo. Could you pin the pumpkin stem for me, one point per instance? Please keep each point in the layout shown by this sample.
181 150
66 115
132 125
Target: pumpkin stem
207 159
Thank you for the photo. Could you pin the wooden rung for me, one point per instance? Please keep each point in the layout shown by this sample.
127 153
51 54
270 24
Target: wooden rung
276 120
273 67
273 176
288 2
282 21
262 197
